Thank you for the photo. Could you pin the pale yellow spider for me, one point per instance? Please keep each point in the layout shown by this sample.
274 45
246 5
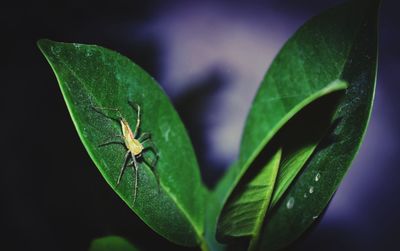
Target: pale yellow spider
135 146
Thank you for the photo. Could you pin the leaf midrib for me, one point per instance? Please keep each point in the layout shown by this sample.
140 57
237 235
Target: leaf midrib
267 202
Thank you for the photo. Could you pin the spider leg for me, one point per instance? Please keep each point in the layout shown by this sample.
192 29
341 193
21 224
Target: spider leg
123 167
144 136
135 166
153 168
149 145
137 108
102 109
112 141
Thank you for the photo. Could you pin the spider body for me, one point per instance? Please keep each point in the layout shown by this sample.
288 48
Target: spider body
135 146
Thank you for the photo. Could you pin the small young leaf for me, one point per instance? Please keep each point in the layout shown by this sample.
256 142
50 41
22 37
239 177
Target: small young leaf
114 243
245 210
170 197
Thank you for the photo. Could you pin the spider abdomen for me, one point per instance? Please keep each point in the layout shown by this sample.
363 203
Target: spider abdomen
133 145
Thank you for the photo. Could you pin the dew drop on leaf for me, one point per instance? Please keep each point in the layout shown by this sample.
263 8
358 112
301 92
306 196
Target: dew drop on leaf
317 177
290 203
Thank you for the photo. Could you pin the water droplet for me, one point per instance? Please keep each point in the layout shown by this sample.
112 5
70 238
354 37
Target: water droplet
317 177
315 217
305 195
290 203
311 190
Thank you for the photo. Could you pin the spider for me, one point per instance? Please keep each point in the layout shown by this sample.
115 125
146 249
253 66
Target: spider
134 145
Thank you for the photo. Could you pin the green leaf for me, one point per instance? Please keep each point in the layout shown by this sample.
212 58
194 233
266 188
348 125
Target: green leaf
336 46
300 137
326 168
245 210
114 243
275 167
92 76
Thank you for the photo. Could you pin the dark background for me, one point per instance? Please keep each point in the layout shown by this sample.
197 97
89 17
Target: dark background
210 57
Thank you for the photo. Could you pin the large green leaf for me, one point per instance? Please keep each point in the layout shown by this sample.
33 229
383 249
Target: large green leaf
92 76
339 44
270 174
325 170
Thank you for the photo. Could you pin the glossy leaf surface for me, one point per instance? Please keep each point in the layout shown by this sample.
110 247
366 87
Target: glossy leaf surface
245 211
325 170
338 45
268 177
92 76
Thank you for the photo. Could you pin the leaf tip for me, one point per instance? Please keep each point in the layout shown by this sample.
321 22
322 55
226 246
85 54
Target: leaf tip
43 43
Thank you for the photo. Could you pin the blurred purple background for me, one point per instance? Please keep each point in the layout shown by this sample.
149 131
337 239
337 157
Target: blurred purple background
210 57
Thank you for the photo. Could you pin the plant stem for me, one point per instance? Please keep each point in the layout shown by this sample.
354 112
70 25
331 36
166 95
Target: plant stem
204 246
